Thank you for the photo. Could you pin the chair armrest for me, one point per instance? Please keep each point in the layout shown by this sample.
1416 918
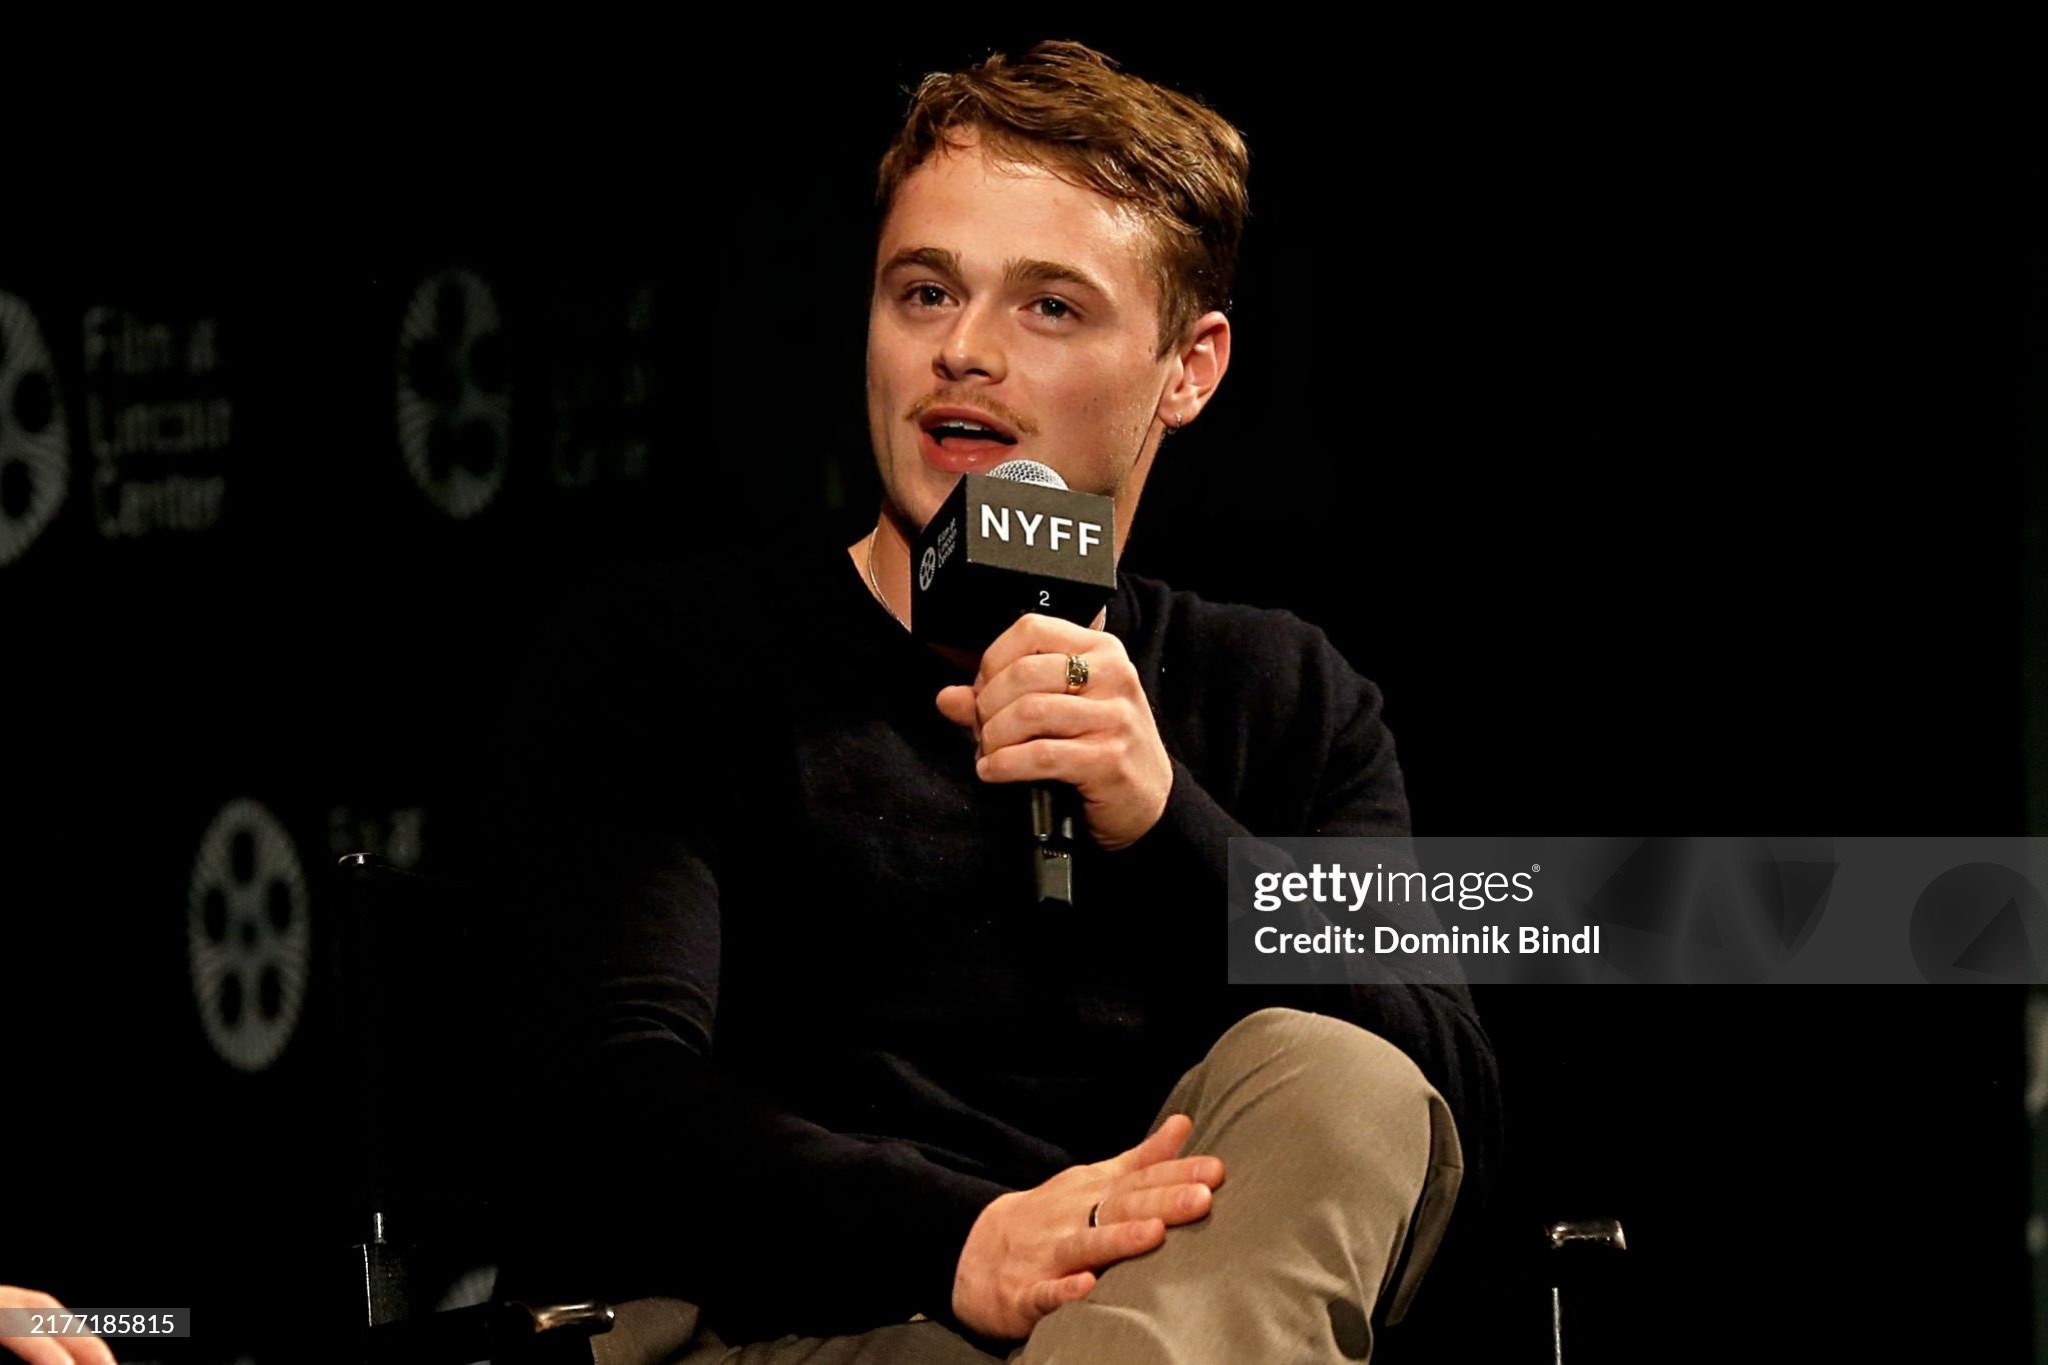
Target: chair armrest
1586 1239
506 1333
1584 1262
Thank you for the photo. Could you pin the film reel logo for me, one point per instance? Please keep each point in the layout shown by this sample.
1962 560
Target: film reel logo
34 450
454 401
249 931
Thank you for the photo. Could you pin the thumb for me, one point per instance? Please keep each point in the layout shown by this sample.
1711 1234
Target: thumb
957 704
1047 1295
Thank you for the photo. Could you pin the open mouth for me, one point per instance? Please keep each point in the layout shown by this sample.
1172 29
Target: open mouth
963 440
960 435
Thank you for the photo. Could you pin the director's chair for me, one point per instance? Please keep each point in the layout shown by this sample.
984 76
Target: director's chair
420 1057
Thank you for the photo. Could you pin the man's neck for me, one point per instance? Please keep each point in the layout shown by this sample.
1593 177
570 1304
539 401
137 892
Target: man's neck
882 559
883 562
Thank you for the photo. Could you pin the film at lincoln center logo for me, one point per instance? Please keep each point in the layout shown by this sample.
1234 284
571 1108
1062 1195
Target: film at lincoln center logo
249 931
454 392
34 470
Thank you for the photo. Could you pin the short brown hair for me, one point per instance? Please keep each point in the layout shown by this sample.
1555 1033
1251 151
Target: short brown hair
1069 109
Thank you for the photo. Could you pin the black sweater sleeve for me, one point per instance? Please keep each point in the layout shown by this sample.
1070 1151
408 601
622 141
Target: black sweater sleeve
1311 740
647 1168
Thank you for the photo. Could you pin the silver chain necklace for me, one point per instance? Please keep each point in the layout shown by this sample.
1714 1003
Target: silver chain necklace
881 596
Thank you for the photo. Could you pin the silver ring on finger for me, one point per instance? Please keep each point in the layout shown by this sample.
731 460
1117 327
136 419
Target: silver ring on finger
1094 1213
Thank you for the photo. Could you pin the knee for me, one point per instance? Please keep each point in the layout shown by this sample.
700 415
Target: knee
1332 1049
1324 1074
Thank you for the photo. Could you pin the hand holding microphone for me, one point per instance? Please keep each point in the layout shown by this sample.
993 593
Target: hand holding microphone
1017 557
1029 727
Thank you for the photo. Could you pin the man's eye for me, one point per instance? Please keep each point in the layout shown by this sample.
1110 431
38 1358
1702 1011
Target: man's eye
917 294
1060 308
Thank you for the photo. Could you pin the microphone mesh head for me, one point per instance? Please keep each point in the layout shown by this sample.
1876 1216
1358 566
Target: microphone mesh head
1027 471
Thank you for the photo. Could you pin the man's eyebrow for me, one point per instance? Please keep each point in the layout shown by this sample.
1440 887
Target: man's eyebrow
1051 272
944 262
934 258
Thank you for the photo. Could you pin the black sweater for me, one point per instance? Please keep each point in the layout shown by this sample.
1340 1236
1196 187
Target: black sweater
787 950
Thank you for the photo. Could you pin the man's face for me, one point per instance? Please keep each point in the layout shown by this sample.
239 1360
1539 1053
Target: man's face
1005 295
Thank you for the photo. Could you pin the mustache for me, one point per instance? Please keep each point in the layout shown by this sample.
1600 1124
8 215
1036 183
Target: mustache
995 410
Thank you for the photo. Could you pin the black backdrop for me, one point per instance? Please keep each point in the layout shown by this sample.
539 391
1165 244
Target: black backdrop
1648 430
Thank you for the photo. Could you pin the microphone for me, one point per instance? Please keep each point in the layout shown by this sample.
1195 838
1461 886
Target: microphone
1011 541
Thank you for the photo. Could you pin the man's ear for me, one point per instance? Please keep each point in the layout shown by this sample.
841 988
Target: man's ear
1204 357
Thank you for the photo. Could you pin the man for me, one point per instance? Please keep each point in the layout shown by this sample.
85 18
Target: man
863 1098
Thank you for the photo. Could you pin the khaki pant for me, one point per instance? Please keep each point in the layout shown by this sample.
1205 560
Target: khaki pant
1341 1165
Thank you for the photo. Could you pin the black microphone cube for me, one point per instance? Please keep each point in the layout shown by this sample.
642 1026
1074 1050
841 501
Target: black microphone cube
998 548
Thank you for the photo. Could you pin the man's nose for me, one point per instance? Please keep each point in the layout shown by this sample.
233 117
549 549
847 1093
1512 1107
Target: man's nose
970 347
